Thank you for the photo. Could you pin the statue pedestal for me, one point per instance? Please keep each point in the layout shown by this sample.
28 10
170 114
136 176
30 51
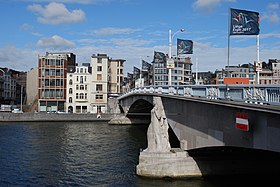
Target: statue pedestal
174 164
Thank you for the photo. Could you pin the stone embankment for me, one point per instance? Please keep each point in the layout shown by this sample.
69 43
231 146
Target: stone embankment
45 117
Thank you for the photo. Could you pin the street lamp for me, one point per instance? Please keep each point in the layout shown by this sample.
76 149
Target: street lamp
170 52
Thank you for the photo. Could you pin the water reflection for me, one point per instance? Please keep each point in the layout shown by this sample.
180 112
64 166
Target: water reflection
76 154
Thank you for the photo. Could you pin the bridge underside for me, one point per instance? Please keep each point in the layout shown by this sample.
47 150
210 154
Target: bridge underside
229 160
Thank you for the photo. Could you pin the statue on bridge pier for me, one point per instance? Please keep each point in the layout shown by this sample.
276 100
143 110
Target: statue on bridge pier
158 138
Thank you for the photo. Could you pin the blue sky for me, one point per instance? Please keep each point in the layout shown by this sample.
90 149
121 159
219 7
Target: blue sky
128 29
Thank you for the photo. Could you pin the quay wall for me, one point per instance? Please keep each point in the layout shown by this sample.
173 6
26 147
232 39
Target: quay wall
45 117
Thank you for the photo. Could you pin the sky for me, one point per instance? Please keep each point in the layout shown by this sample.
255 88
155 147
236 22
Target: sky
132 30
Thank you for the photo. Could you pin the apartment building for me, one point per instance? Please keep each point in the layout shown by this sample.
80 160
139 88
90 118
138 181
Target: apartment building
12 87
99 82
79 90
181 74
241 74
275 67
52 75
116 76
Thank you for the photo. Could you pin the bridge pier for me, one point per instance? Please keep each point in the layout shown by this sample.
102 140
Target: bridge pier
175 164
159 160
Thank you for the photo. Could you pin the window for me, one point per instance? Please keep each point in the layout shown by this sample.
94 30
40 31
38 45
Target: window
99 60
77 96
82 87
98 109
84 109
98 97
98 87
70 99
99 77
99 68
85 95
78 109
77 78
85 87
77 87
81 79
81 70
81 95
70 82
70 91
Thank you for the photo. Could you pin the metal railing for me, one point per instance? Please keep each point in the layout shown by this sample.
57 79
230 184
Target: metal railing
258 94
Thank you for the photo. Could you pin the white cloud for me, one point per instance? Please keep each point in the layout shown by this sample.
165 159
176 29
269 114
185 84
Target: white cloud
272 13
209 58
208 5
56 13
55 42
272 34
273 6
130 42
68 1
17 58
272 17
113 31
26 27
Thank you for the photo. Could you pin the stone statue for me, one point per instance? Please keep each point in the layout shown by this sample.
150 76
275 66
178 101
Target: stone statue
158 138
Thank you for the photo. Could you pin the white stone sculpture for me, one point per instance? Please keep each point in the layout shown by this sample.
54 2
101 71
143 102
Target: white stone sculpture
158 138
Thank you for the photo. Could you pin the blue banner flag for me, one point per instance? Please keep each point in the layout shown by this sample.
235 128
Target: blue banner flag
184 46
129 76
244 22
159 57
145 66
136 72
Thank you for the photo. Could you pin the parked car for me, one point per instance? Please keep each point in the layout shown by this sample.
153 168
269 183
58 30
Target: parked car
16 110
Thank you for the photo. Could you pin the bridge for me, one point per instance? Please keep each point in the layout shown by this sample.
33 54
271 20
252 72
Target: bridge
217 120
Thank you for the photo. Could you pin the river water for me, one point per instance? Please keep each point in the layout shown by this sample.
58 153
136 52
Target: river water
77 154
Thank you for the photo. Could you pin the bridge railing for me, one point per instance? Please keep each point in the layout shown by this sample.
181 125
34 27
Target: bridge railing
258 94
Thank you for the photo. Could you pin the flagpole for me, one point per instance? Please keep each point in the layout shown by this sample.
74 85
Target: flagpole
140 83
258 58
169 57
229 21
196 73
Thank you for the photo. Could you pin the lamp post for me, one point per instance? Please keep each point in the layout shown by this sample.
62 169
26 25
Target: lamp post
170 53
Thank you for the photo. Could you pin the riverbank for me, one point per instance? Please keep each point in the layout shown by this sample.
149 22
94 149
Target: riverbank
48 117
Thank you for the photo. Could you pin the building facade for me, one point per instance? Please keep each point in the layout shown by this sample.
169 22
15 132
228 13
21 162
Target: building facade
116 76
275 67
32 90
78 94
13 87
99 82
241 74
181 74
52 75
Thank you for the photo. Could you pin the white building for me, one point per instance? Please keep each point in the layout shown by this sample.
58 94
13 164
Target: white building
99 82
91 85
79 90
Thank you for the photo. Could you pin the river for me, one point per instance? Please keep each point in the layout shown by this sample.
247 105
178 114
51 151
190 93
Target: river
77 154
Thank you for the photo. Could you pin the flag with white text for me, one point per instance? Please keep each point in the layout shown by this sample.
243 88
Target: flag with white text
244 22
159 57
